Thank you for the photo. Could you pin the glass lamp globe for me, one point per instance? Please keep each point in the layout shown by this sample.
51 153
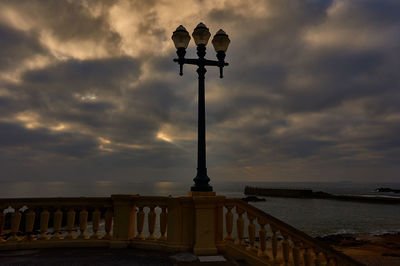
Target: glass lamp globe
220 41
181 37
201 34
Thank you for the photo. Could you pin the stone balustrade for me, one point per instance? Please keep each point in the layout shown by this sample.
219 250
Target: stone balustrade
41 222
202 223
260 236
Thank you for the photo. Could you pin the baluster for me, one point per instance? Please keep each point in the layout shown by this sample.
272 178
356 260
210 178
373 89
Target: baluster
240 226
296 253
140 223
151 222
2 222
307 257
163 223
108 216
317 260
15 221
57 220
329 261
70 223
83 216
229 223
29 222
274 242
251 230
96 216
262 235
285 248
44 224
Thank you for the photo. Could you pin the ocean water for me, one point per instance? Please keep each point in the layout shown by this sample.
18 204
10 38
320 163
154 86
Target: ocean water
317 217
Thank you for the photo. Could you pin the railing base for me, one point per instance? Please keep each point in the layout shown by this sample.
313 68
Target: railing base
119 244
239 252
55 244
205 251
201 193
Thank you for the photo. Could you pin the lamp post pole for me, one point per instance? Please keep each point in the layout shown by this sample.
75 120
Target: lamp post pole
201 180
220 41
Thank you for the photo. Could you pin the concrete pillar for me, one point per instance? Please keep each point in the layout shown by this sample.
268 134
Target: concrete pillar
124 220
206 232
180 223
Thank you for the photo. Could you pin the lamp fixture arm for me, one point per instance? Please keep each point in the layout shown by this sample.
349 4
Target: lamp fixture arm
198 62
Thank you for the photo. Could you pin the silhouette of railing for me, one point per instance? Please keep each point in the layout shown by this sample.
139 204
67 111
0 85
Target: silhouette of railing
202 224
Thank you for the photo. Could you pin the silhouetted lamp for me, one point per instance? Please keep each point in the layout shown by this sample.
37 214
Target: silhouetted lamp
201 35
181 40
221 42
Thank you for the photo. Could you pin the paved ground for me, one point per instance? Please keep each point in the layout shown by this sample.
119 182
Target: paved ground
107 256
84 256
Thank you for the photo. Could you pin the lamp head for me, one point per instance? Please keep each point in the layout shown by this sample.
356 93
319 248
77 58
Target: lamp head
201 34
221 41
181 37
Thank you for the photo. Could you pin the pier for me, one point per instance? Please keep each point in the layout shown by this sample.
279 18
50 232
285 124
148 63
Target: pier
308 193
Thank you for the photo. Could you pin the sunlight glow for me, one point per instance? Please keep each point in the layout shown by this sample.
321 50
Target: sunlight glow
164 137
104 141
59 127
108 145
29 119
89 97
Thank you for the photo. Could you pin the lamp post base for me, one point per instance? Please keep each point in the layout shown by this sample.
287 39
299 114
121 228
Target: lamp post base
200 188
201 181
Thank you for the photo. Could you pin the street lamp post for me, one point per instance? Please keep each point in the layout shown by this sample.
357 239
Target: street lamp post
201 35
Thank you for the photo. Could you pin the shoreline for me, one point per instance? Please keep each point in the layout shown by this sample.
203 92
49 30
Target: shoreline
369 249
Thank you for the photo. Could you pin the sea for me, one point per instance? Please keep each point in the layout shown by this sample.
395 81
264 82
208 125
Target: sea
317 217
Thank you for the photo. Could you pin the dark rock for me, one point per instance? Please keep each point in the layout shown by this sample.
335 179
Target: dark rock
253 199
386 189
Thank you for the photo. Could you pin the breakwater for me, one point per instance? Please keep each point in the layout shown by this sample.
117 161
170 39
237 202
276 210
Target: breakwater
310 194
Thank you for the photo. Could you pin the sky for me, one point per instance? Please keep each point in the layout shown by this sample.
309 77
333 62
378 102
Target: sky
89 91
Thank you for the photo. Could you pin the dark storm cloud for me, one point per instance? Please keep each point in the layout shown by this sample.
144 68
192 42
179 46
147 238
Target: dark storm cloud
58 93
278 50
16 46
329 77
100 75
16 136
312 87
70 20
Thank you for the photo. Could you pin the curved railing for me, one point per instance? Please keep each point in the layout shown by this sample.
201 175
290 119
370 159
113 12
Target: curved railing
92 221
264 236
204 224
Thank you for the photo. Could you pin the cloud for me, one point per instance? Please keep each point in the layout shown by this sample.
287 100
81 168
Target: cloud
312 87
17 46
67 28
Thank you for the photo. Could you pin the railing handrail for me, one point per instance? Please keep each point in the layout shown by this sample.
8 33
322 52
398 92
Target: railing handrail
282 226
80 201
160 201
55 201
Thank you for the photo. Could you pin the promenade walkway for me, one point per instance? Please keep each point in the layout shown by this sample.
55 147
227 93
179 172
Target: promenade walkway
105 256
84 256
